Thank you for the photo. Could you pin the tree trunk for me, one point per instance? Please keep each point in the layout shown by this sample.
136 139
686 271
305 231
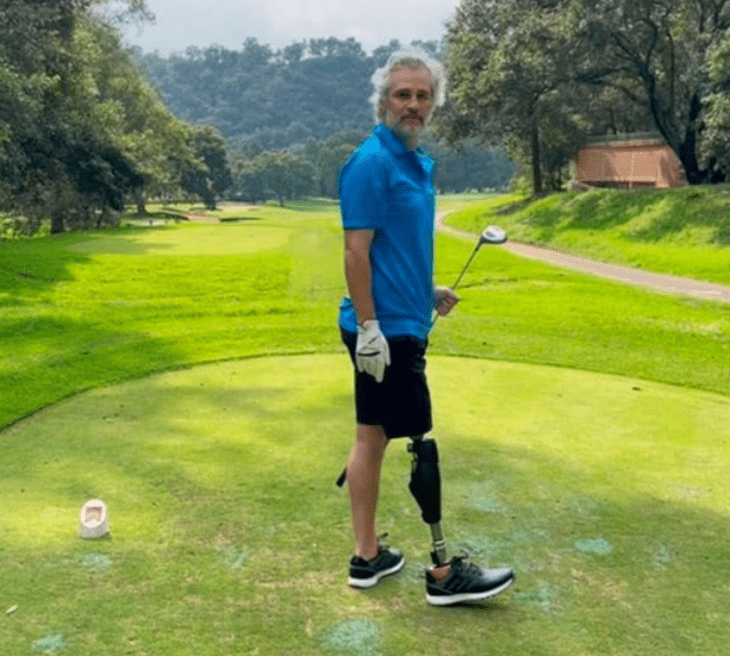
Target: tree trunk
58 208
688 157
685 147
536 169
139 201
58 225
687 151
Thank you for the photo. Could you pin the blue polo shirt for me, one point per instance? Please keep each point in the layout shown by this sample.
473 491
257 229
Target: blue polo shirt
386 187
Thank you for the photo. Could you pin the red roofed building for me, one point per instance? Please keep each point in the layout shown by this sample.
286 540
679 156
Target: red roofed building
641 160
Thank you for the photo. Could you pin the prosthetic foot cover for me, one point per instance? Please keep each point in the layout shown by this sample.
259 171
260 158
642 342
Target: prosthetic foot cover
425 483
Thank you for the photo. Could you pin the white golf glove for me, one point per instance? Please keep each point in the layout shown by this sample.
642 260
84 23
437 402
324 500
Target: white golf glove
372 354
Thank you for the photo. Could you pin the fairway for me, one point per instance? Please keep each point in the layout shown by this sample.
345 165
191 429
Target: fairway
198 239
191 376
608 495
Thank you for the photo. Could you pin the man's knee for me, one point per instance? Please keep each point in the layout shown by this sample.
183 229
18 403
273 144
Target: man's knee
372 436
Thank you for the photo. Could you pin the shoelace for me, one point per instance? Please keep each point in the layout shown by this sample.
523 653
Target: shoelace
466 568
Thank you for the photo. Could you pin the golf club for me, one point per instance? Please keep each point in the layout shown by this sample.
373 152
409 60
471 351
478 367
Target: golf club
491 235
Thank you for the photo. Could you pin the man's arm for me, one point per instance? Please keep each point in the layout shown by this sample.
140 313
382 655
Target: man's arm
358 272
372 354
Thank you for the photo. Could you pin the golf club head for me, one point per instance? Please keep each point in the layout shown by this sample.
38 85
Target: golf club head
493 235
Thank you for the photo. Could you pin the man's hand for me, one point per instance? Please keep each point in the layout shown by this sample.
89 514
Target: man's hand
445 300
372 354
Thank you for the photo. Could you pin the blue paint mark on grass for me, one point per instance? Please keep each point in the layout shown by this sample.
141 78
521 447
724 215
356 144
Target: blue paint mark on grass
543 597
411 576
488 504
95 561
355 637
597 546
235 557
480 546
663 556
49 644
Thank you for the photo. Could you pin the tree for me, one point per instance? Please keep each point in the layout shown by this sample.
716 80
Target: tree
275 174
521 66
293 53
329 156
210 175
310 89
655 53
127 112
508 65
469 166
61 154
715 152
247 180
381 53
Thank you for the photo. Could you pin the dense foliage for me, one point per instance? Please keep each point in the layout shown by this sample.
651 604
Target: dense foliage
549 73
81 129
307 101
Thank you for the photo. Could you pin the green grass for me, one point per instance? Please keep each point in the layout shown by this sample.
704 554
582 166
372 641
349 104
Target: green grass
608 495
582 424
683 231
81 310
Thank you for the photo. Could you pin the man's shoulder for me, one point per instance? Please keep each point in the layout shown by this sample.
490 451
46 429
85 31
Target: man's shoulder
372 148
369 155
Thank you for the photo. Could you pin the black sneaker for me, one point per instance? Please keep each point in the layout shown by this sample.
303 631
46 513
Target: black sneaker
467 582
366 573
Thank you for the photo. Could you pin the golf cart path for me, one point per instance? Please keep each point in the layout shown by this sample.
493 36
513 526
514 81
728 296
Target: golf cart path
665 283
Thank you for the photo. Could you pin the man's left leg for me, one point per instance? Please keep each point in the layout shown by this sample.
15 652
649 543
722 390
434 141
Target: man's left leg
456 580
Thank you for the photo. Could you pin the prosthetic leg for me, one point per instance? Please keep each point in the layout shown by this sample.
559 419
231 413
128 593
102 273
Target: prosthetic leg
425 486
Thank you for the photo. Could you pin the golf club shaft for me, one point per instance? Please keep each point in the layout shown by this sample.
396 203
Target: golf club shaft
465 267
492 235
459 277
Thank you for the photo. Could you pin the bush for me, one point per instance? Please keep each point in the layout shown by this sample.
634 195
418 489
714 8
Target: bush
11 227
16 226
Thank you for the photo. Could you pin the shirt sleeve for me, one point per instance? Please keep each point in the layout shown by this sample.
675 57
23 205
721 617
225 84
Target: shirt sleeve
363 201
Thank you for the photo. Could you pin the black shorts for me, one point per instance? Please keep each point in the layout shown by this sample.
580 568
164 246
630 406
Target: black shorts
401 404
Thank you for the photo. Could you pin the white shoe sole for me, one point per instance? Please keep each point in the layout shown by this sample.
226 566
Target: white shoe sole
448 600
373 580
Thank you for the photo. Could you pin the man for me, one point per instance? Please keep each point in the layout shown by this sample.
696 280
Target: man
387 205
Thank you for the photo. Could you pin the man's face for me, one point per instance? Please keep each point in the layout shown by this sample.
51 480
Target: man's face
408 105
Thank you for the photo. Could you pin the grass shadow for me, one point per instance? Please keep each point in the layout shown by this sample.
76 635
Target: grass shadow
312 205
29 268
236 219
42 364
650 215
700 207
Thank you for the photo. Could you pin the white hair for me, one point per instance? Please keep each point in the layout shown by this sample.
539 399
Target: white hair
413 58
